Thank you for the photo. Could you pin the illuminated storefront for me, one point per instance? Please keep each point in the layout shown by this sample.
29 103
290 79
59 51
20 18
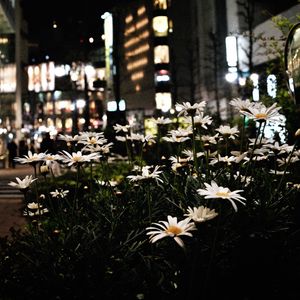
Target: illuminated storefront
58 96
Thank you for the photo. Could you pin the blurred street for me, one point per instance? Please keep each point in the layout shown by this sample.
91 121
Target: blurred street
11 199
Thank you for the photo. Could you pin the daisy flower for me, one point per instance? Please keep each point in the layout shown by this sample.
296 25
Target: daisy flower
92 140
121 138
228 131
77 157
213 191
59 193
50 158
225 159
87 134
200 214
146 174
68 138
122 128
188 109
200 120
23 184
162 121
261 113
171 228
34 205
31 158
241 105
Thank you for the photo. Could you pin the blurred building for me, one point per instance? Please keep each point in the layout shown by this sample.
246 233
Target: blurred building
162 52
151 45
61 94
13 57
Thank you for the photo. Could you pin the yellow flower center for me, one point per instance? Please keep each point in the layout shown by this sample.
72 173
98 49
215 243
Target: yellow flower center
222 194
76 158
174 229
93 140
261 116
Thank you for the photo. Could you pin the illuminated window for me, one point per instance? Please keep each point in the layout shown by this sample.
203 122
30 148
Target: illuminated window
161 54
163 101
141 10
160 4
160 25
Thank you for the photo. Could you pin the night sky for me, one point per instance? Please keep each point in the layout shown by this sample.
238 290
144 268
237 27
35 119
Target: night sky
76 22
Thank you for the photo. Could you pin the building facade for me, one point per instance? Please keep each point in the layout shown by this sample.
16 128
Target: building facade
13 58
152 46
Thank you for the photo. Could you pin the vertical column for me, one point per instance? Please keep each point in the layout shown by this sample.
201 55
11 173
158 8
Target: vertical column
18 95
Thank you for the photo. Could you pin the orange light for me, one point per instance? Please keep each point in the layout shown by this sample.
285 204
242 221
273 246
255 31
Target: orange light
137 75
128 19
141 10
138 63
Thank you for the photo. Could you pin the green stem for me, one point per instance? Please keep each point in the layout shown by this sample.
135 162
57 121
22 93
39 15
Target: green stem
149 203
253 149
194 145
284 173
212 253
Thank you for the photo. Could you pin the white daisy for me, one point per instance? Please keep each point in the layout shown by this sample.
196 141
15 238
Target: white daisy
68 138
227 131
207 139
146 174
92 140
214 191
189 154
200 214
188 109
121 138
88 134
261 113
225 159
122 128
162 121
50 158
34 205
22 184
241 105
171 228
77 157
59 193
31 158
200 120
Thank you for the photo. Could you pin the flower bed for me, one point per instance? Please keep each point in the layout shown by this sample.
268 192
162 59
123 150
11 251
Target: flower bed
200 211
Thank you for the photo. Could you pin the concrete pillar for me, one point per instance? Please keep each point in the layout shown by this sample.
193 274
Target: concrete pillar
18 99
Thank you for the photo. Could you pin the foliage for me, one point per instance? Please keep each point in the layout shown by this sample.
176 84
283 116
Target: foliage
93 243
